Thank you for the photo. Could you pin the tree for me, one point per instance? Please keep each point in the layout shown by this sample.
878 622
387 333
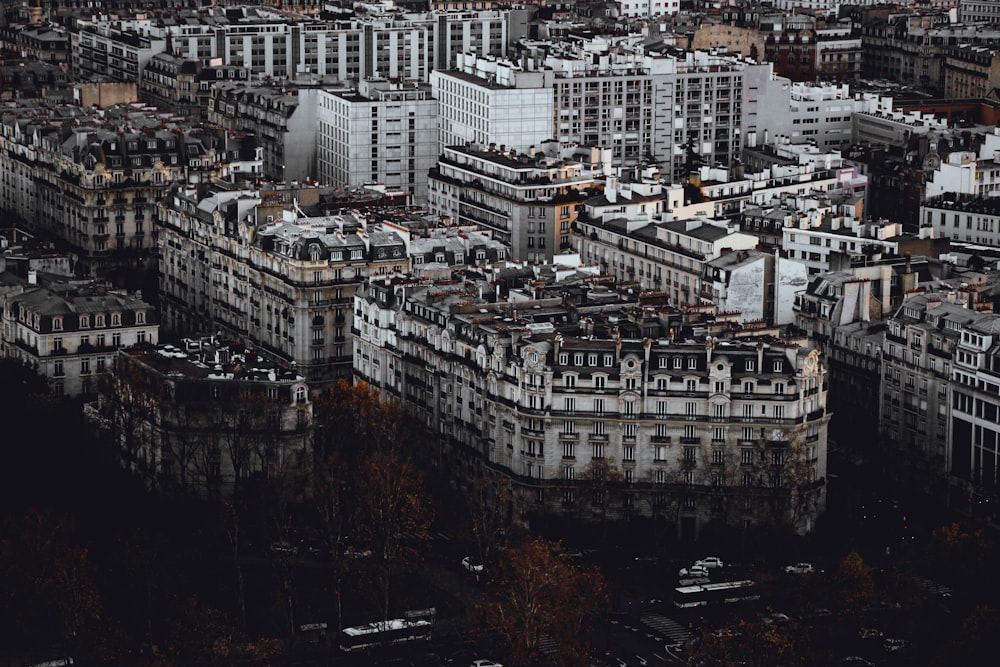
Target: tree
353 416
976 639
760 642
853 585
392 515
50 587
604 479
491 515
326 479
132 394
537 593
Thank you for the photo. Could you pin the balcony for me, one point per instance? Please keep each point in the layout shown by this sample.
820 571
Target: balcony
690 441
660 439
600 437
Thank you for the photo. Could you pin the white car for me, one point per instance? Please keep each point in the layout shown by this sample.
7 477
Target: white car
474 568
482 662
709 562
799 568
695 571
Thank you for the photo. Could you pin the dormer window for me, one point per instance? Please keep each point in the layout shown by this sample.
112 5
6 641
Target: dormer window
57 323
140 317
116 319
777 367
99 321
85 321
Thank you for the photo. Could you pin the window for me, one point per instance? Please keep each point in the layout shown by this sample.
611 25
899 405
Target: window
628 453
599 406
84 321
600 382
116 319
691 386
84 366
746 456
779 388
660 453
570 381
569 449
568 472
57 323
57 368
690 454
691 409
692 363
718 456
599 428
598 450
569 404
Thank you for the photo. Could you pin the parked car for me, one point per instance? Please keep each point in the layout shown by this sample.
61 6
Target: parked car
695 570
283 548
469 564
482 662
892 644
857 661
709 562
800 568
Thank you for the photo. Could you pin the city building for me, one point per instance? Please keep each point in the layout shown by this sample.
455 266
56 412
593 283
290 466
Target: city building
528 201
91 177
281 119
71 331
253 264
756 286
485 101
382 133
933 359
200 418
283 44
969 218
602 425
666 256
962 171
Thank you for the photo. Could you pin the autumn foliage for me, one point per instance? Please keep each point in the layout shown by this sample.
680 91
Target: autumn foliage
537 594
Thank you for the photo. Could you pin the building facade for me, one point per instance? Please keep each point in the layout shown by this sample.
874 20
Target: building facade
527 201
382 133
252 264
202 418
595 427
71 333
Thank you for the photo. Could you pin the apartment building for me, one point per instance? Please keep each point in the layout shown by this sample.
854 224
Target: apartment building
488 101
251 263
281 119
382 133
601 426
527 201
757 287
281 44
969 174
91 177
118 50
666 256
966 218
971 71
817 112
71 332
931 368
200 418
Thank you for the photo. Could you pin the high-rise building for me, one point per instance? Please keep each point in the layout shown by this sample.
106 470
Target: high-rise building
382 133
